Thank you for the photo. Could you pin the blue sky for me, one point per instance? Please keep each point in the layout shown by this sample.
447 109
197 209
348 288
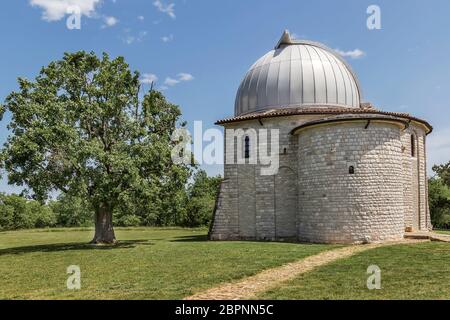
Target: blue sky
200 49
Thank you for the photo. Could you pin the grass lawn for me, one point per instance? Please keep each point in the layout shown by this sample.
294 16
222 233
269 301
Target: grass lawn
417 271
442 231
149 263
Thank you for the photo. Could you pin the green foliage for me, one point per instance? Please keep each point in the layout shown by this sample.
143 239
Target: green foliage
202 193
82 128
21 215
7 217
18 213
43 215
162 207
129 221
439 196
72 211
443 172
199 211
439 201
189 206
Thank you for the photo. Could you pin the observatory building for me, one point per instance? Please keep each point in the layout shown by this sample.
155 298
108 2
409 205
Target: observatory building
347 172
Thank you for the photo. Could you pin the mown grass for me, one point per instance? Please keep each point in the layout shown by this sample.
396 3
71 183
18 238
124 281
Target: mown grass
442 231
416 271
148 263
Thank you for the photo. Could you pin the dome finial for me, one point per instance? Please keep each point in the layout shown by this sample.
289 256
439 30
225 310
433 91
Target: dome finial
284 40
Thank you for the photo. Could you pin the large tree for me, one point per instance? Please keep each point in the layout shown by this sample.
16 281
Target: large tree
82 127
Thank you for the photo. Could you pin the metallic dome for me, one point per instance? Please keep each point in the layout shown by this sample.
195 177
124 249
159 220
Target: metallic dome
298 73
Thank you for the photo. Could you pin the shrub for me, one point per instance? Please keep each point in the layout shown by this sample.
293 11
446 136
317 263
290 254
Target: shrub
439 200
16 212
129 221
6 217
44 216
199 211
202 193
72 212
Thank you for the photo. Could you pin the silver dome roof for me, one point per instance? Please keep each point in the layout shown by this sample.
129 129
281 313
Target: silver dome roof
298 73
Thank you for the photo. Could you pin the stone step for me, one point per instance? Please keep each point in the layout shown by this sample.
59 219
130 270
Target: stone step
417 236
427 236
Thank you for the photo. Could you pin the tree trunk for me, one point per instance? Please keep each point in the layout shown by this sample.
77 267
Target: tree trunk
104 231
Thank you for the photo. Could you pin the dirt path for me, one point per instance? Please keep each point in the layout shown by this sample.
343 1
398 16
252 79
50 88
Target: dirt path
248 288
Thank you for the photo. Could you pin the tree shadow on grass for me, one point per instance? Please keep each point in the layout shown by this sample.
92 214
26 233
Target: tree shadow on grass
204 238
59 247
193 238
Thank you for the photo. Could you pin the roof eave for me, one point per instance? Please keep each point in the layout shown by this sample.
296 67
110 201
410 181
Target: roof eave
287 113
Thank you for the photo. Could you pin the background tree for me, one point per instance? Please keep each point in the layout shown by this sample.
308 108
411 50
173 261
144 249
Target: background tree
443 172
202 193
439 196
16 212
81 128
72 211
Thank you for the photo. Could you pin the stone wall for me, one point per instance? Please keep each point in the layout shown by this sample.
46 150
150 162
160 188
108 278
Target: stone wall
409 180
339 207
226 218
424 214
313 197
266 205
415 192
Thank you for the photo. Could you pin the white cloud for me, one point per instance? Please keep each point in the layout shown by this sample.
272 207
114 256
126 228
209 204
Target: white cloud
185 76
171 81
165 8
149 78
131 38
182 76
168 38
438 148
141 18
110 22
54 10
353 54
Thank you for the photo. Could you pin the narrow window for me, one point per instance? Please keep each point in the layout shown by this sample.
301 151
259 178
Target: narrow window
351 170
413 146
247 147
